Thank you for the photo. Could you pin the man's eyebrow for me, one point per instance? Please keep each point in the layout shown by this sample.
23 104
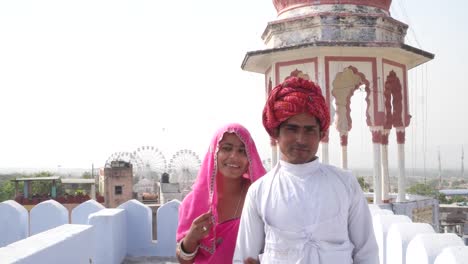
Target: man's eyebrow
290 125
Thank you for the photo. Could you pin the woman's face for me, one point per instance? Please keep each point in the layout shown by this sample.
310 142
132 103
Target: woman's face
232 156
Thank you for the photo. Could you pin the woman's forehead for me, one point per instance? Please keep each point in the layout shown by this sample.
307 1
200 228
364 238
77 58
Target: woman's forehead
231 138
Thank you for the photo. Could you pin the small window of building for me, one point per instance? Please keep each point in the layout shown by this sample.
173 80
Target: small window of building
118 190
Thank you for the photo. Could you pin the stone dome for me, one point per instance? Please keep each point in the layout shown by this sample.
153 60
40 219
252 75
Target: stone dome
286 5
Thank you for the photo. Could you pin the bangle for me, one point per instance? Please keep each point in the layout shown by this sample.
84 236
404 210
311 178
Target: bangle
184 255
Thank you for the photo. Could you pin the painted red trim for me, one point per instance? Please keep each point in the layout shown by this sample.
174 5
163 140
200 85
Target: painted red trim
344 140
384 139
406 114
376 136
400 137
278 65
378 116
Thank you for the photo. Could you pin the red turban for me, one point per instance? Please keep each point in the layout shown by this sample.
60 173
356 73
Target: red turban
295 96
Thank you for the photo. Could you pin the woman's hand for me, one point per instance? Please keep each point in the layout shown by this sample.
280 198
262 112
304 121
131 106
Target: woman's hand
200 228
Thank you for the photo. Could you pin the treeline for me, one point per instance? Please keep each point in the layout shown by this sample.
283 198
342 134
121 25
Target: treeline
7 186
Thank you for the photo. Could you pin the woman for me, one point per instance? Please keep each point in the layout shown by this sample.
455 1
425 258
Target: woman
209 215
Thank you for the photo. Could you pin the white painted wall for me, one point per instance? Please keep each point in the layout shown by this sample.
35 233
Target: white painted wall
168 220
424 248
139 229
81 213
398 237
381 225
116 233
13 222
453 255
47 215
64 244
110 235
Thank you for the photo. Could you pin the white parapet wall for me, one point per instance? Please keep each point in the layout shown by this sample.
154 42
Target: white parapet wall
398 237
64 244
47 215
139 229
424 248
117 233
168 220
453 255
13 222
80 214
110 235
381 224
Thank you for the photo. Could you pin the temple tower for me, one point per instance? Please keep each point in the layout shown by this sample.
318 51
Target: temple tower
345 45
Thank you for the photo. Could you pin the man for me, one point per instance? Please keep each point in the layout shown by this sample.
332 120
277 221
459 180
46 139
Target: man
303 211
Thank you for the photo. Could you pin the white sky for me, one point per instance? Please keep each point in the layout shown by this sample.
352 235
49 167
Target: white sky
80 80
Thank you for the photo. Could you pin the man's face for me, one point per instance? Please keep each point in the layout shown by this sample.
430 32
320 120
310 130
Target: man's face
298 138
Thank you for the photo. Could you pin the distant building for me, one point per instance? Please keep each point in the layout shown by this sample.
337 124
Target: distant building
116 182
144 186
169 191
455 192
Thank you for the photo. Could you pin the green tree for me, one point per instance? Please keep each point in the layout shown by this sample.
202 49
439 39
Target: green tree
422 189
457 199
458 183
86 175
41 187
363 183
442 199
7 190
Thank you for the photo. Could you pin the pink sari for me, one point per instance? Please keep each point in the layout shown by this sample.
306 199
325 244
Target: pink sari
219 246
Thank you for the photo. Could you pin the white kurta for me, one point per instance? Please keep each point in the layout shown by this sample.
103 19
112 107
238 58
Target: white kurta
306 213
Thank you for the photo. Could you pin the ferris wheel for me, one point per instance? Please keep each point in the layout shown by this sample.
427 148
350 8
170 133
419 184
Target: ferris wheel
183 168
153 163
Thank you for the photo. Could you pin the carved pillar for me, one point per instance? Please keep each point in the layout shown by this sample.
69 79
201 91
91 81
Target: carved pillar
325 153
376 140
344 151
385 172
274 152
400 133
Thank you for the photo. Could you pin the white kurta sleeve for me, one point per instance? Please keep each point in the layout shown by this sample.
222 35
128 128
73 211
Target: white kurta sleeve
251 235
361 232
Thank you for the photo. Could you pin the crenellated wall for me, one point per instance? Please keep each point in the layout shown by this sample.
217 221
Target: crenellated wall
402 241
95 234
112 235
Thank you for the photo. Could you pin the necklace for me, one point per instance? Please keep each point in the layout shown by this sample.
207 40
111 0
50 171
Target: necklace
240 199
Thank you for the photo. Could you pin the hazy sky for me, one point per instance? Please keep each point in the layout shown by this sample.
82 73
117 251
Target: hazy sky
80 80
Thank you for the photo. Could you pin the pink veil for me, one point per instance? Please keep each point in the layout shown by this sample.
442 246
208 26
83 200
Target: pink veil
203 196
